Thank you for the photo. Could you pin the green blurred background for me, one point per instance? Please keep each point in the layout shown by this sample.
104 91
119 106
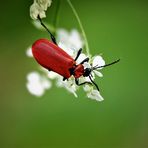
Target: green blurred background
58 119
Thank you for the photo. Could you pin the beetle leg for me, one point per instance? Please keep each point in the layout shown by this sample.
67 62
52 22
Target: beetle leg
94 83
51 35
64 79
85 60
77 82
78 54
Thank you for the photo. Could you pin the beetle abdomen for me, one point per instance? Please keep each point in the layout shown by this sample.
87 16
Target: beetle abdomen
52 57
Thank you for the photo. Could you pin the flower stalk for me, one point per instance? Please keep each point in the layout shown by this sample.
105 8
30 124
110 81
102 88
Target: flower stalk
81 27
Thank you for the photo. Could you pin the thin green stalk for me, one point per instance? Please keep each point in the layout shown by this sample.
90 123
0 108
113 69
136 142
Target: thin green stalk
81 26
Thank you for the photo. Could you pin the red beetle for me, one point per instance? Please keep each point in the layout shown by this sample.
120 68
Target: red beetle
49 55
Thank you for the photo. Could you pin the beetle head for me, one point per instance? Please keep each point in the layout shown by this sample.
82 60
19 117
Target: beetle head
87 72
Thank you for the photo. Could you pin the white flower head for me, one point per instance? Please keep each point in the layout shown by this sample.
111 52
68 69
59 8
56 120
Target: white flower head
38 8
66 49
71 41
29 52
95 94
37 84
82 56
69 85
92 93
44 4
98 61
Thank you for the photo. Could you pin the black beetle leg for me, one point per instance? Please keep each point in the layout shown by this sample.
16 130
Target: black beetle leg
85 60
78 54
51 35
64 79
79 84
94 83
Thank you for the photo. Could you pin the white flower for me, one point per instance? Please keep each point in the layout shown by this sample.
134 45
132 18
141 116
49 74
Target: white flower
86 65
52 75
69 85
38 8
81 58
29 52
98 61
66 49
92 93
44 4
95 94
87 88
71 41
36 84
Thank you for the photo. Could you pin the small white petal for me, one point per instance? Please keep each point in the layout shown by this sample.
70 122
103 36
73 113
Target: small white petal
86 65
87 79
71 41
99 74
49 74
67 50
33 76
98 60
71 89
75 94
87 88
69 85
62 36
37 84
95 94
81 58
75 39
52 75
45 83
29 52
35 89
33 85
59 82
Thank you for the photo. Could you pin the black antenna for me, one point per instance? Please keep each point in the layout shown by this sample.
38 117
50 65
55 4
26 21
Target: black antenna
96 67
51 35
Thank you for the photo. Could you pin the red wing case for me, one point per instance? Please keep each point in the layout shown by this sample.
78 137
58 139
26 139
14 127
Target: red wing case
52 57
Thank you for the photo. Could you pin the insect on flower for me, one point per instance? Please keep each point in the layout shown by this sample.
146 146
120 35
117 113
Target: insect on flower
49 55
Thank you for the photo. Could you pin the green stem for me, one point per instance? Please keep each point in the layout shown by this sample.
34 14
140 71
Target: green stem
81 26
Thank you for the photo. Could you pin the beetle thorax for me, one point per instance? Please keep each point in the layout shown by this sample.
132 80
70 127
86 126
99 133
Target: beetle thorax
78 71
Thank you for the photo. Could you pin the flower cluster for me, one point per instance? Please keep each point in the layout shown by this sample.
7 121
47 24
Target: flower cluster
40 81
38 8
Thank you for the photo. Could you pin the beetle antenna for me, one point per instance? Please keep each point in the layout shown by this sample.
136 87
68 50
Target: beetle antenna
94 83
96 67
51 35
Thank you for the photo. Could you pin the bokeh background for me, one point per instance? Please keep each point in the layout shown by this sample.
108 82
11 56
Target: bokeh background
58 119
